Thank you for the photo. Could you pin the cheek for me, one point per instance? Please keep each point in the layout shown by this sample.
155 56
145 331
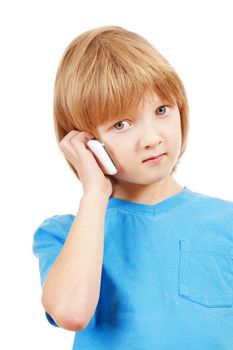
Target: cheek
175 144
174 135
113 150
119 152
122 157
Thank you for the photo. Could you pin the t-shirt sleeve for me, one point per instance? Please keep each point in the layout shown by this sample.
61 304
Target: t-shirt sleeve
48 241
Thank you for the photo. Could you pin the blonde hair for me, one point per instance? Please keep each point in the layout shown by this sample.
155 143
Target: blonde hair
104 74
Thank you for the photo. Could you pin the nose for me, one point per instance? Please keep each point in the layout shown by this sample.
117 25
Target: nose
150 137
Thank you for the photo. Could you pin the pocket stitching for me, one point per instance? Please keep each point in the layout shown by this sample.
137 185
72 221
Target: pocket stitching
184 290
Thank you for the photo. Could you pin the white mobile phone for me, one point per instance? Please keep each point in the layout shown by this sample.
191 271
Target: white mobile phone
103 156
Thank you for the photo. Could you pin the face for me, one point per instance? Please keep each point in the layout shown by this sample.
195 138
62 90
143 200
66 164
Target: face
155 129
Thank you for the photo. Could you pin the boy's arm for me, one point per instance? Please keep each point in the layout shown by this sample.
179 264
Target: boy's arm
72 286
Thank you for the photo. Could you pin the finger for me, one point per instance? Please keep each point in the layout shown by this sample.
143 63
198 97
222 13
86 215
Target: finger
82 136
75 147
69 136
78 145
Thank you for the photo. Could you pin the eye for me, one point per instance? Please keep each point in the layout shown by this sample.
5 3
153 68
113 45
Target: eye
120 122
162 110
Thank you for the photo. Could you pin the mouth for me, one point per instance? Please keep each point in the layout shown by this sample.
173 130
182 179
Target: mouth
154 157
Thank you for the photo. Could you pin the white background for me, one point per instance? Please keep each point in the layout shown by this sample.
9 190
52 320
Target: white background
36 182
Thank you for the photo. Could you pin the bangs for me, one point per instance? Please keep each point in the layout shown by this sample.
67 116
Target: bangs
104 76
111 79
118 93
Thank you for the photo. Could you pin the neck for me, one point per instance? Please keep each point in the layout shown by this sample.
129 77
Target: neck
147 194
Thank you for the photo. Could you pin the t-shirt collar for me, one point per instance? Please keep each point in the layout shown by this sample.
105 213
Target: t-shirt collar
166 204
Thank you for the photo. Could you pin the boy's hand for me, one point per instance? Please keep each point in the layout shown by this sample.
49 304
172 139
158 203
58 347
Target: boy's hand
91 175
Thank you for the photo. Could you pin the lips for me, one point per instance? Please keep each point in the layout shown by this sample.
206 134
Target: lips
153 157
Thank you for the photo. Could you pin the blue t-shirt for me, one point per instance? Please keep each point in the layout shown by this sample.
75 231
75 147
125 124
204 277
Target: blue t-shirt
167 274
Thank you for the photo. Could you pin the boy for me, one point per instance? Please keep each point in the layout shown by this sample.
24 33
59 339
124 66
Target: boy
146 263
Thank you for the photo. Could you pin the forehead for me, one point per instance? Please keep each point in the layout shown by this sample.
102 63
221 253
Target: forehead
152 99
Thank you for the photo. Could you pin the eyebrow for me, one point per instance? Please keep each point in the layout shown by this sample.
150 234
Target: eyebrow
160 102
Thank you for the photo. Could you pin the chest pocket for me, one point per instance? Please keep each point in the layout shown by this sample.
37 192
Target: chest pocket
206 274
